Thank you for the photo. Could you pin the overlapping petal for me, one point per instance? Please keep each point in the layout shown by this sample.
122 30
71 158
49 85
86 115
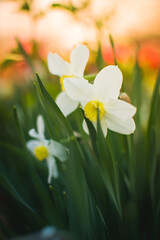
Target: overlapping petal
52 168
31 144
58 66
32 132
58 150
66 104
79 58
120 126
78 89
85 128
103 126
108 83
105 91
120 109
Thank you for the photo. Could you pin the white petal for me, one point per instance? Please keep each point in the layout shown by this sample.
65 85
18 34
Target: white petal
85 127
58 66
117 125
120 109
108 83
33 133
40 126
55 171
52 168
58 150
31 144
104 127
78 89
66 104
79 58
45 142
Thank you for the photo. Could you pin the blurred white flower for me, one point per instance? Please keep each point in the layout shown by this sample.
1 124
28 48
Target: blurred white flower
75 69
42 149
114 113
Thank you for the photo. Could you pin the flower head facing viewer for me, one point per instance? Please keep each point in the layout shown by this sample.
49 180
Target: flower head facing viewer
44 149
75 69
114 114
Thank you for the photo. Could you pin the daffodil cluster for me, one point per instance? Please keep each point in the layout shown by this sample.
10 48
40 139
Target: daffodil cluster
102 95
44 149
57 66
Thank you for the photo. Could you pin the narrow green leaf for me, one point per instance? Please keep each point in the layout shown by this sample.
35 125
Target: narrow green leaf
152 162
25 55
154 108
90 78
100 60
93 136
137 92
108 168
10 189
113 48
10 59
58 5
77 192
18 126
25 7
6 229
53 107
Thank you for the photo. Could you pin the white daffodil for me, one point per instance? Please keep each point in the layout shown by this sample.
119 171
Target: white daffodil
42 149
114 113
75 69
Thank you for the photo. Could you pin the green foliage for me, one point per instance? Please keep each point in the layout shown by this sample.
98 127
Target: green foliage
112 45
109 188
25 7
70 7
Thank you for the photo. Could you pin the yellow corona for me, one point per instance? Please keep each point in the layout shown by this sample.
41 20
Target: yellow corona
61 81
41 152
91 108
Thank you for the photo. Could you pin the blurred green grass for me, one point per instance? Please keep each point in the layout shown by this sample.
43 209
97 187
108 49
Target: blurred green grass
108 188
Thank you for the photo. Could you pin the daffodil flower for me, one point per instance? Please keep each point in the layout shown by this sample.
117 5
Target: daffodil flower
75 69
114 113
42 149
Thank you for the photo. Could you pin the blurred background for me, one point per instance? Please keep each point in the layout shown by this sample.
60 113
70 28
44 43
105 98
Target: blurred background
39 26
29 29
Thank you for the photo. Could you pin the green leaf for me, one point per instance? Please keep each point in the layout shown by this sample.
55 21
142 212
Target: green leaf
18 127
113 48
93 136
154 108
6 229
90 78
152 162
108 168
52 106
54 5
25 55
78 205
25 7
137 92
10 60
100 60
10 189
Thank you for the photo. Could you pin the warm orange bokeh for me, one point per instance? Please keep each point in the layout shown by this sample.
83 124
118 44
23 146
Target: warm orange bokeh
149 56
131 23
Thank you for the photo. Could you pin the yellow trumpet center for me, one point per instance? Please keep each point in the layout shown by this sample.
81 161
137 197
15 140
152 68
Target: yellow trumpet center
91 110
41 152
61 80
